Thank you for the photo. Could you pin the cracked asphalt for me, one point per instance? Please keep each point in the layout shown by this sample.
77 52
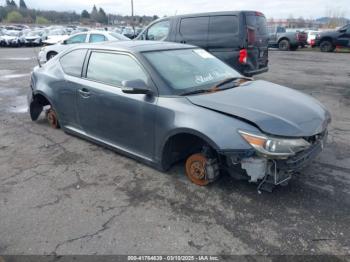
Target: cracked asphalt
63 195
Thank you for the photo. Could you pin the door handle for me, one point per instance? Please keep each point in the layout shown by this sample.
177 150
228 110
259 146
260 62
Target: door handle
84 92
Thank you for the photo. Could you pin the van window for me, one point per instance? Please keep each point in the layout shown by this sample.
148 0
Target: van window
158 31
72 62
112 68
223 31
258 22
194 30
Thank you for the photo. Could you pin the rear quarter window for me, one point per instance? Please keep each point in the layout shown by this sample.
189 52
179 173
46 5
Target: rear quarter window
258 22
72 62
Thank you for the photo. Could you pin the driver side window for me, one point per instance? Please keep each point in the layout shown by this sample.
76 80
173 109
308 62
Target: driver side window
159 31
77 39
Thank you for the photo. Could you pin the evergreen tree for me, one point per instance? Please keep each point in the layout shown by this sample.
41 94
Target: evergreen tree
102 17
94 13
13 4
22 4
85 14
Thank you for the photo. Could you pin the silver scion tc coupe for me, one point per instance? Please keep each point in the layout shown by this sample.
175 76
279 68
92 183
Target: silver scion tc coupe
161 103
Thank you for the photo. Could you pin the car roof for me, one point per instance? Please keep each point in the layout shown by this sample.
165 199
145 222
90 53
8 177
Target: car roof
135 46
220 13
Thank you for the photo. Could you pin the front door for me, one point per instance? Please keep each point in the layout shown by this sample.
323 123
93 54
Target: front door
107 114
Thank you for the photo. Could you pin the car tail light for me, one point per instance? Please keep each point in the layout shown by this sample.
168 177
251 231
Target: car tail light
251 36
312 42
243 55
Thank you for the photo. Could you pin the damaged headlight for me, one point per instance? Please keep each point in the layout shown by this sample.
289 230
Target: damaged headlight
272 146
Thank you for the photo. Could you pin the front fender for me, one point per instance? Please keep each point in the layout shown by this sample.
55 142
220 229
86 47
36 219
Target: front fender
220 131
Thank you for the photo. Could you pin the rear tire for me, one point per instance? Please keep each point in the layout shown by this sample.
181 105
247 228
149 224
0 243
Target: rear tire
284 45
326 46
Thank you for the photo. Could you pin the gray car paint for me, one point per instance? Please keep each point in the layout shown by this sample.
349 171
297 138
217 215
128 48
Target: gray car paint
275 109
139 125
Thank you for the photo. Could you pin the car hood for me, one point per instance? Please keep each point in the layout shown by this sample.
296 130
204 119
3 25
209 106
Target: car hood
9 37
32 37
275 109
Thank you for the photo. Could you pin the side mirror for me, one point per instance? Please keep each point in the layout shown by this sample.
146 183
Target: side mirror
64 42
136 86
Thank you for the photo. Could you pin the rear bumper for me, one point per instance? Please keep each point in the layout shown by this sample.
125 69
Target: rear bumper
256 72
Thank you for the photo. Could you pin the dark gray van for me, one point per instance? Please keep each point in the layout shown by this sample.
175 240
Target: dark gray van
239 38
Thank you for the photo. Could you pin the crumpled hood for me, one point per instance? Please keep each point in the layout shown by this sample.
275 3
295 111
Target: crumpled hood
275 109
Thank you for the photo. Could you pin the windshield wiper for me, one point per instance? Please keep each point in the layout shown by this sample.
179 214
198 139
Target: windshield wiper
199 91
231 79
216 87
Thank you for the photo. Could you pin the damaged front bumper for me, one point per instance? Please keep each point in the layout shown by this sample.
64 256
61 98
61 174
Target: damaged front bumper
270 172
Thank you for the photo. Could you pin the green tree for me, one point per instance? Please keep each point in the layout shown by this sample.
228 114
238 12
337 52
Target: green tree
13 4
14 17
94 14
22 4
85 14
102 17
39 20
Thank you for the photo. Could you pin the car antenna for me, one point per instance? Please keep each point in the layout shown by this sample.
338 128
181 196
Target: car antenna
37 58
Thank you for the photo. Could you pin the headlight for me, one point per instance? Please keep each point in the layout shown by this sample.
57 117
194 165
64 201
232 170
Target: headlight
272 146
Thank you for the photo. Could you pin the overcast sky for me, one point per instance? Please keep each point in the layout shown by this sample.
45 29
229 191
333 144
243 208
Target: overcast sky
271 8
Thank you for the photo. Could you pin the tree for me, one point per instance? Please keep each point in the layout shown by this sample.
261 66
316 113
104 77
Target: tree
94 14
41 20
22 4
11 3
14 17
85 14
102 17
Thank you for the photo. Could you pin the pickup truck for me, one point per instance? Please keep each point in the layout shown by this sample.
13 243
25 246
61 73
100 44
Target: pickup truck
285 41
329 40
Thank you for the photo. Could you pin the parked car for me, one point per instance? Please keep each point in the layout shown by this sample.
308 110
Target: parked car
329 40
311 37
285 41
48 52
165 102
35 38
12 38
238 38
55 36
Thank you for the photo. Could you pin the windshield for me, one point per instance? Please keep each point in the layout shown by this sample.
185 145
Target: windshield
34 33
188 70
12 33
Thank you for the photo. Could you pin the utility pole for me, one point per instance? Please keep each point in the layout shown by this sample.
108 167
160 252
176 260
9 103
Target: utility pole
132 16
